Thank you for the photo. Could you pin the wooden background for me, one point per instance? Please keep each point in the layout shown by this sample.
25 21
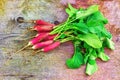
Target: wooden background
50 66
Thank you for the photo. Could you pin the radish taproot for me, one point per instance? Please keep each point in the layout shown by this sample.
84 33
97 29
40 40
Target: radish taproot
42 44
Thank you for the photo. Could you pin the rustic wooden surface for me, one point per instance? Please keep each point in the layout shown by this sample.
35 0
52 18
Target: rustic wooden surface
50 66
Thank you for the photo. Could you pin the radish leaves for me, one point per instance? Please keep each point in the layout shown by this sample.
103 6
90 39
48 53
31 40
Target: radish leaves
89 36
77 60
91 39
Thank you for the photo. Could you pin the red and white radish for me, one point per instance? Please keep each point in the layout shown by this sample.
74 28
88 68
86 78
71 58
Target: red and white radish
42 44
42 28
40 33
38 38
42 22
49 37
51 46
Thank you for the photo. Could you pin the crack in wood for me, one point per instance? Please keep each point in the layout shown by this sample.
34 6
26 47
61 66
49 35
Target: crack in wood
21 76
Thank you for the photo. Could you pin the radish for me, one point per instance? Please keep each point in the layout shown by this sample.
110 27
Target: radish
42 44
51 47
50 37
38 38
43 28
41 22
40 33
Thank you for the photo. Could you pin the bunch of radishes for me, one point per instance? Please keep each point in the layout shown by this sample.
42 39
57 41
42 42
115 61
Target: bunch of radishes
43 41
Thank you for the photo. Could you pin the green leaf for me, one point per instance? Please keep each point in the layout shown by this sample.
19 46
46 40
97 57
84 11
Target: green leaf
102 55
91 68
92 62
77 60
73 10
109 43
92 9
100 30
93 55
86 56
90 54
96 18
81 26
70 10
95 27
96 24
106 33
87 53
91 39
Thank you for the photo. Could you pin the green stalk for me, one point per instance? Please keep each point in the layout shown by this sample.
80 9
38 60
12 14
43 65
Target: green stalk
62 28
67 39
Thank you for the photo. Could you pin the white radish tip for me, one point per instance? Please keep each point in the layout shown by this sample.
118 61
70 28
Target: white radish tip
30 43
37 35
33 47
34 21
34 29
42 50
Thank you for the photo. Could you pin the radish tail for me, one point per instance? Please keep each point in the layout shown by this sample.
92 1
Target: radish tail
29 38
36 52
26 32
22 48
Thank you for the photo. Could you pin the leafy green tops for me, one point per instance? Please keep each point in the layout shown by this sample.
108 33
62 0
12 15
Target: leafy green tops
86 29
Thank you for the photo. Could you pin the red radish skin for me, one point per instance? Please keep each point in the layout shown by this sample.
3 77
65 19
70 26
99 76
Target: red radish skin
40 33
40 28
51 47
42 22
42 44
38 38
50 37
43 26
